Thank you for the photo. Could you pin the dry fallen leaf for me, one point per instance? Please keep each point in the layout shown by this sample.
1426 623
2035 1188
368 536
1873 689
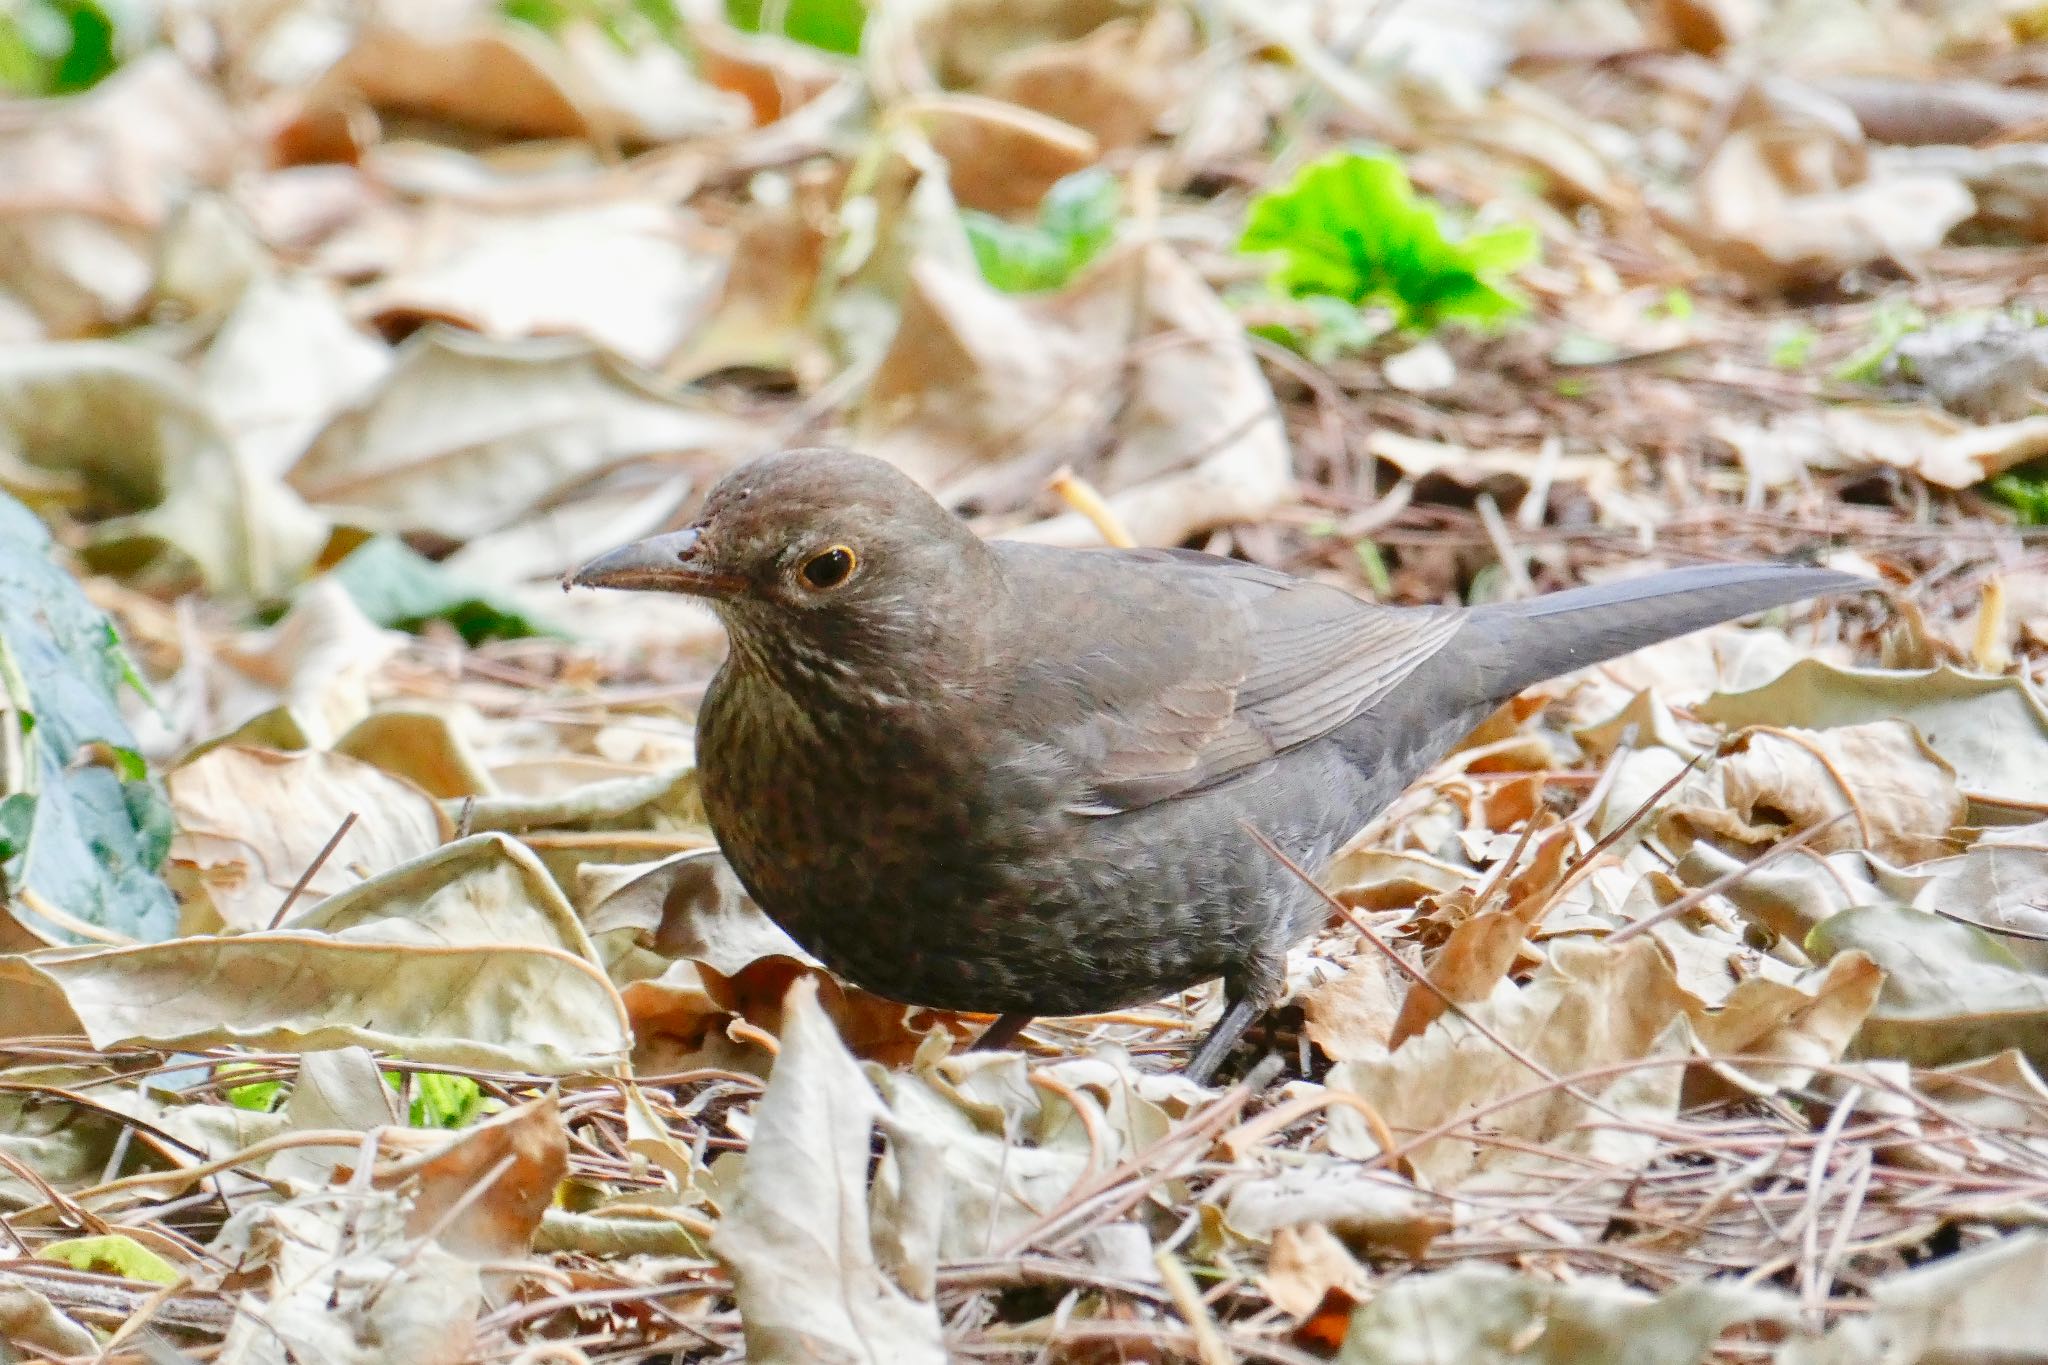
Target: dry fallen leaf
1136 353
251 822
799 1238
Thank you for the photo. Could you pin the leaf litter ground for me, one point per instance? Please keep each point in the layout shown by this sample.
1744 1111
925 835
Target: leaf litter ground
1691 1011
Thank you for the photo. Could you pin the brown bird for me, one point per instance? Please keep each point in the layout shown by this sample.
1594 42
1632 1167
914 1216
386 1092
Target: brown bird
991 776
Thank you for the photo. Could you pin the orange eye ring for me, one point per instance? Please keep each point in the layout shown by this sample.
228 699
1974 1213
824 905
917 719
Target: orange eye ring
828 568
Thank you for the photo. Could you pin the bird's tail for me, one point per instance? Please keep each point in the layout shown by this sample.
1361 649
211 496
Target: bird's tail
1558 633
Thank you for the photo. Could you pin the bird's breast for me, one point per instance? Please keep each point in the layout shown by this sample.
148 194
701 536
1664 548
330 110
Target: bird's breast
871 837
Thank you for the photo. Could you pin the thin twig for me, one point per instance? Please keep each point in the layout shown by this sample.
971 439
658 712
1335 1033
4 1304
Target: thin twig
312 870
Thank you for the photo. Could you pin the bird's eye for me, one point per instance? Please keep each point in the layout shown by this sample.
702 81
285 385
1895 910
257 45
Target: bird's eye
829 567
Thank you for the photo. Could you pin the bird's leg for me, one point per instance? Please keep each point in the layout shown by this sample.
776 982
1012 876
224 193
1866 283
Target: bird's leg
1238 1013
1257 982
1002 1032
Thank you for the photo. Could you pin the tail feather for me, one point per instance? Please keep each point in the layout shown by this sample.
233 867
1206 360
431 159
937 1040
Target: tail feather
1558 633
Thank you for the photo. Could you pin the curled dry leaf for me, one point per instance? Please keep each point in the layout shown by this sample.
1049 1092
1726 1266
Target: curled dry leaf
1486 1315
468 956
1353 1014
517 1160
800 1238
1789 198
1307 1266
303 682
1951 993
1587 1007
32 1322
86 179
1808 1022
468 435
626 275
1000 158
1136 354
1116 84
1372 1210
346 1284
1992 730
2000 882
1877 786
251 822
119 432
426 748
507 78
689 905
1939 447
1982 1304
686 1016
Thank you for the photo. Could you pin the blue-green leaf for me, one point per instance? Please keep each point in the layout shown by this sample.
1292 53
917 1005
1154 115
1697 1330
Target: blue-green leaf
1076 220
82 826
399 588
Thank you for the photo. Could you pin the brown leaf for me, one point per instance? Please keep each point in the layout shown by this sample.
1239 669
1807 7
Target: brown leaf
516 1159
1306 1266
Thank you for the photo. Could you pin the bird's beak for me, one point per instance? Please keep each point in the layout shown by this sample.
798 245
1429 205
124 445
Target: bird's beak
674 562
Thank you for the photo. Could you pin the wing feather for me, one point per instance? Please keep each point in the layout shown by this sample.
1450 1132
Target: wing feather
1198 669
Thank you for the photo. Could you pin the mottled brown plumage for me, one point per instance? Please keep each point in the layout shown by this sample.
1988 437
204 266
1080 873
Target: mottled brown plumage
1000 777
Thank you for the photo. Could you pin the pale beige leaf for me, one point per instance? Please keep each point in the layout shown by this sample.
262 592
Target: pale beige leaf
468 956
1984 1304
975 377
1879 784
626 275
125 426
1951 993
345 1286
1307 1263
481 1193
1367 1208
1992 731
31 1322
799 1238
1478 1314
1588 1006
467 435
689 905
251 822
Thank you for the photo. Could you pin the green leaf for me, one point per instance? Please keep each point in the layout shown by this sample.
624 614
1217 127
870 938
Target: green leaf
627 23
56 47
85 837
397 587
1350 227
260 1096
112 1254
2024 491
834 25
439 1100
1075 221
1792 345
1893 320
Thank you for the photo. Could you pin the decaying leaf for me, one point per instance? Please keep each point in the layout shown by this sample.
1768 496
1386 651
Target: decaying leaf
1490 1316
975 376
1992 731
467 435
469 956
251 822
799 1238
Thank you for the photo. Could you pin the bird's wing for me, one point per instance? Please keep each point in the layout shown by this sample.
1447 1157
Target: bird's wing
1167 671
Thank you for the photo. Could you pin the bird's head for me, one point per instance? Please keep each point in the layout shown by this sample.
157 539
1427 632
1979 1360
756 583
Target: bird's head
820 560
